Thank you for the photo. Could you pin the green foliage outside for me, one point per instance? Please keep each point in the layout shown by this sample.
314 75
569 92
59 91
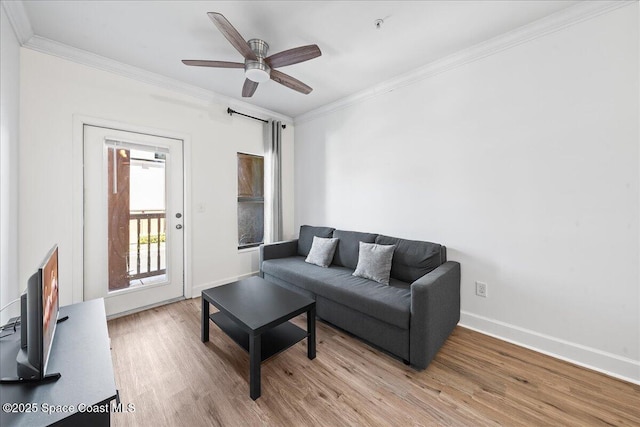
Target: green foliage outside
144 239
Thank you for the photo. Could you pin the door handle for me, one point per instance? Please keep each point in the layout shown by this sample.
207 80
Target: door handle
179 226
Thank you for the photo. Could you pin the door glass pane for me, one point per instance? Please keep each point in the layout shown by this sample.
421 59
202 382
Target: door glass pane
137 218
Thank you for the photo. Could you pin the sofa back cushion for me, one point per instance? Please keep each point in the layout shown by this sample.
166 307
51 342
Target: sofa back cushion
413 259
305 240
349 247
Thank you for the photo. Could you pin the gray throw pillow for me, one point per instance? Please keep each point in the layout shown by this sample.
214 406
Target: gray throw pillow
347 250
322 251
374 262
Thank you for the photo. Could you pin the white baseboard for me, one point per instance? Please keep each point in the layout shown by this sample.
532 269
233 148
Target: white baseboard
196 291
610 364
146 307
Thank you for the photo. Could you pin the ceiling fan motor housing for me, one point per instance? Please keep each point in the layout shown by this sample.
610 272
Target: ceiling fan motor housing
257 71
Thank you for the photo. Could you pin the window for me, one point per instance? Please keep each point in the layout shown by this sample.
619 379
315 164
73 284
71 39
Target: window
250 200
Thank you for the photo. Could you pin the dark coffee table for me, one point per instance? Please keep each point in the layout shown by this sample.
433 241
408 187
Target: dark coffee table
254 313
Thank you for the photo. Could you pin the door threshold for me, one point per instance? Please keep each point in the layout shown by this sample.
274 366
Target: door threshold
146 307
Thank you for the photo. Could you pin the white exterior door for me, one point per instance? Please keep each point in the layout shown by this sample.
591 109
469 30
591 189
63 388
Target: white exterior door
133 207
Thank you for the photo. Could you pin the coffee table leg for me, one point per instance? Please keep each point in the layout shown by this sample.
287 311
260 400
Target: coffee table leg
255 356
311 330
204 329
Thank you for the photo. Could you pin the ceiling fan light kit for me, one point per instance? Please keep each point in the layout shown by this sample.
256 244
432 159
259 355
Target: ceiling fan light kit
257 71
258 67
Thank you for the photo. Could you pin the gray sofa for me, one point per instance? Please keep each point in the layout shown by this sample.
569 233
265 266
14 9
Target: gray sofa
410 318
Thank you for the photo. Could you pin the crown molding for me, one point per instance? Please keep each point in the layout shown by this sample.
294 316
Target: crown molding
580 12
557 21
19 20
21 25
61 50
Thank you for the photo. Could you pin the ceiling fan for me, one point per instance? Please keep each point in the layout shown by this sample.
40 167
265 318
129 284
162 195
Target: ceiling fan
258 67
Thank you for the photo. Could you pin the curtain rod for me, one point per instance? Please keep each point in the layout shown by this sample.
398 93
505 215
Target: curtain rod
232 112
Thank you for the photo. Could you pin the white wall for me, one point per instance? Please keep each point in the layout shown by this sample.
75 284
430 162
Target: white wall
10 286
54 90
525 164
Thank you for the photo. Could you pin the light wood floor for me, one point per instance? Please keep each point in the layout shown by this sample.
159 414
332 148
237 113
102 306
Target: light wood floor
173 379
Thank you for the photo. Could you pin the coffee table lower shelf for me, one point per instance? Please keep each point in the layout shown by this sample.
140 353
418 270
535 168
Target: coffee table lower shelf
274 340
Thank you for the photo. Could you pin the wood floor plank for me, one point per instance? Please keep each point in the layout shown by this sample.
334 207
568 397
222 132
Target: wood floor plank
172 378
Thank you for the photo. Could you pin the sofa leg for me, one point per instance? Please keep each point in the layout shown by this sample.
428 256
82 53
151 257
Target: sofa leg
406 362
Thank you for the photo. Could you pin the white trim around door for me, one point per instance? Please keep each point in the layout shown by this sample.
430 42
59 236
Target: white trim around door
79 121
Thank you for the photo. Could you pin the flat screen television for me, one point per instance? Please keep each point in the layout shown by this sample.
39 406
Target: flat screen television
38 317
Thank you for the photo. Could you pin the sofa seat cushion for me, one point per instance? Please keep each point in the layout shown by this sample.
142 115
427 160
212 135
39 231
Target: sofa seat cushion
388 303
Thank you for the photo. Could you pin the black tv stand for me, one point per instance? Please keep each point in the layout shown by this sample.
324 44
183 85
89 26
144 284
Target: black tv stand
80 351
62 319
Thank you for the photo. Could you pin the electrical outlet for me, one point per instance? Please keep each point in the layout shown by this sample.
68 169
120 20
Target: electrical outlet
481 289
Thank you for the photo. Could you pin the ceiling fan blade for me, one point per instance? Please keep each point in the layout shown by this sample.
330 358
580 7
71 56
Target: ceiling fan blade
293 56
216 64
232 35
249 88
290 82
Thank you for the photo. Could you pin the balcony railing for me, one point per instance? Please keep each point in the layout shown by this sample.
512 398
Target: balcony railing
147 244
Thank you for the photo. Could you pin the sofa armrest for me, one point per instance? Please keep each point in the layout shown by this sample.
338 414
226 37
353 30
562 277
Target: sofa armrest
435 311
277 250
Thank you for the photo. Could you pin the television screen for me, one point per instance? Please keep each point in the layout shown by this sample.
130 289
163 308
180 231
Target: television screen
49 277
38 317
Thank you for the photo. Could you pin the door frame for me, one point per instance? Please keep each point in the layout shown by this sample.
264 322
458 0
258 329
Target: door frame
77 217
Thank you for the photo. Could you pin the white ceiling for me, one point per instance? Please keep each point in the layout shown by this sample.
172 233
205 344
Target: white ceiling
156 35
